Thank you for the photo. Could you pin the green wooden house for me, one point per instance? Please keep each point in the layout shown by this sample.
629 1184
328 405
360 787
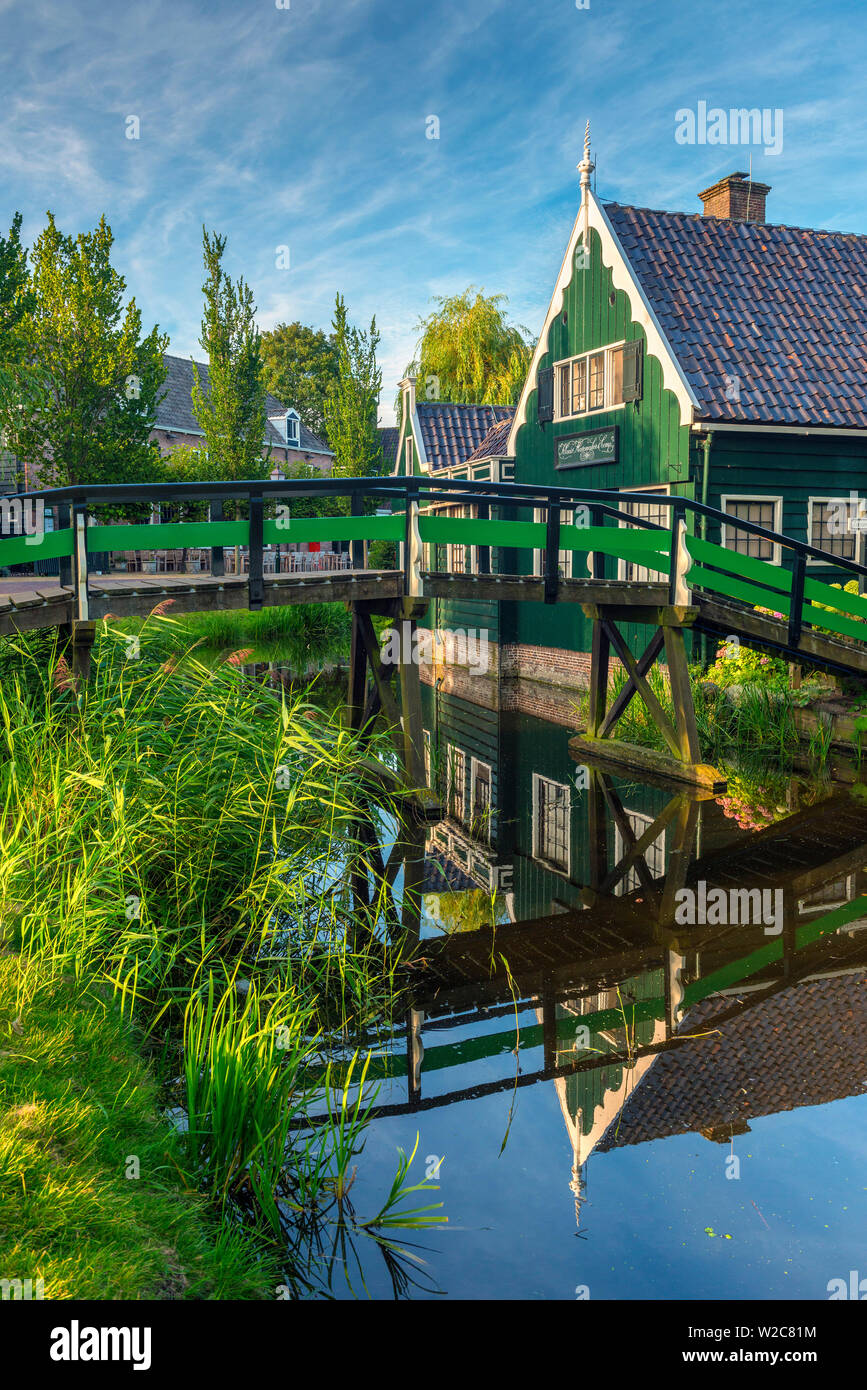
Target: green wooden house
706 355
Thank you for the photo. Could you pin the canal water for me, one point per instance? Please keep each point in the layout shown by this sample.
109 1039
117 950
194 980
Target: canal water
635 1057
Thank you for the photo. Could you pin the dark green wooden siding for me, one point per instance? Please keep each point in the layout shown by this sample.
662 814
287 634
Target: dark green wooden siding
653 444
794 467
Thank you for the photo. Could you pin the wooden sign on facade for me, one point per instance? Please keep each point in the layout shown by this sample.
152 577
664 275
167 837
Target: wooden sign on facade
585 449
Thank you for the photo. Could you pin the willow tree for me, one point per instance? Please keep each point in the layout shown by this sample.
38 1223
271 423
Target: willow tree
469 353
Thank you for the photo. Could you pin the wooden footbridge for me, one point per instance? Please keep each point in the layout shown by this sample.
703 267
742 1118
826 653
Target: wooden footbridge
697 583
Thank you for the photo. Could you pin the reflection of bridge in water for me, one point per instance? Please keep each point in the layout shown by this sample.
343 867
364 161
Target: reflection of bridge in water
648 1026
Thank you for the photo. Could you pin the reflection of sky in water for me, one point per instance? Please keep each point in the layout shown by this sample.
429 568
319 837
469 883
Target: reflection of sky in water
511 1231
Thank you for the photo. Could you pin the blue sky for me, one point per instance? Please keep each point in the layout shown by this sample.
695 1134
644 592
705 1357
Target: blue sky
306 127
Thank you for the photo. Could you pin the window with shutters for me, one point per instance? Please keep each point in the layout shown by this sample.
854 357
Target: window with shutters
600 380
567 518
461 559
545 395
763 511
654 854
480 799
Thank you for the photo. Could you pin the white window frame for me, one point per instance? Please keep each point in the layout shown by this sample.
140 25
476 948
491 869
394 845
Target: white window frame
651 576
755 497
455 753
293 431
567 557
854 534
475 764
639 822
607 377
806 908
538 779
466 511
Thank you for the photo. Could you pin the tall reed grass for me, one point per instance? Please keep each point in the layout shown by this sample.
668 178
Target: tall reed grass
182 842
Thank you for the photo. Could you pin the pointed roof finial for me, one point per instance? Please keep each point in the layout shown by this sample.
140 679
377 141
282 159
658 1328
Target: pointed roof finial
586 167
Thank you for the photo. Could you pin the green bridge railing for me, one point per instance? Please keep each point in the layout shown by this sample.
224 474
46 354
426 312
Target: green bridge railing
588 522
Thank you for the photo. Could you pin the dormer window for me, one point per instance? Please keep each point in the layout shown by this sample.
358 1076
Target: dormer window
293 429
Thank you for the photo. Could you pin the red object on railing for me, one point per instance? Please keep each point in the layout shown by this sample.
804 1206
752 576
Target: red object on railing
314 546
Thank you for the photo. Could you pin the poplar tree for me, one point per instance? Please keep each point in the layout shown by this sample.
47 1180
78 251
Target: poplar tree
231 411
352 403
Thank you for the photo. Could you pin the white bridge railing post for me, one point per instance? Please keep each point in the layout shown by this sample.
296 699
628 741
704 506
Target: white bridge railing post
680 562
412 551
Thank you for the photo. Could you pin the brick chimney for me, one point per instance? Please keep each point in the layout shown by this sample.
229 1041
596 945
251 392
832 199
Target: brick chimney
737 198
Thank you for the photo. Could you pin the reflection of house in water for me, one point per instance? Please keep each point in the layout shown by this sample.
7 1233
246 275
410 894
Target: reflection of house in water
591 1101
518 812
588 868
796 1048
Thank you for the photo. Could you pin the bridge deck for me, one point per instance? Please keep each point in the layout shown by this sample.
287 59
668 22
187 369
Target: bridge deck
37 601
29 602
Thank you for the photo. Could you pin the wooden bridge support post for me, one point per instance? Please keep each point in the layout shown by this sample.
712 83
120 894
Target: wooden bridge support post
674 990
681 695
357 670
600 650
81 646
414 1054
410 704
682 762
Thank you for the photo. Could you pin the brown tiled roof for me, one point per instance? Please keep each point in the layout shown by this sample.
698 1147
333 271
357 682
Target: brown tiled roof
450 433
389 436
800 1047
494 443
782 309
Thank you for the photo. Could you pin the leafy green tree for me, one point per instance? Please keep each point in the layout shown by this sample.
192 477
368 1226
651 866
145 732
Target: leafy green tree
99 379
232 411
353 400
469 353
300 369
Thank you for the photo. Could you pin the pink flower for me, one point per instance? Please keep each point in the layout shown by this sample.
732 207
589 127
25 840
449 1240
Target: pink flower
63 677
160 609
239 657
